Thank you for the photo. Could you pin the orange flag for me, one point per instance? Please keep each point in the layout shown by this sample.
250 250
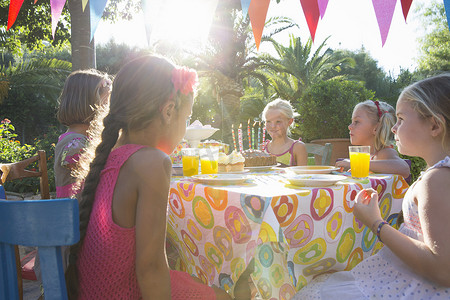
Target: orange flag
257 12
312 14
14 8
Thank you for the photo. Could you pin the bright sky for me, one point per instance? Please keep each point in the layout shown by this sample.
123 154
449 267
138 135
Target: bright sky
350 23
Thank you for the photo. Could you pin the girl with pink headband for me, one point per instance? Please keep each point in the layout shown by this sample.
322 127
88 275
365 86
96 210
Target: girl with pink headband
123 207
371 126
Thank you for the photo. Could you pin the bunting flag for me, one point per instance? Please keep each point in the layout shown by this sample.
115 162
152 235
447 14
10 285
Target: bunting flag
245 4
406 4
312 14
14 8
257 11
96 11
56 7
323 7
384 10
447 11
83 4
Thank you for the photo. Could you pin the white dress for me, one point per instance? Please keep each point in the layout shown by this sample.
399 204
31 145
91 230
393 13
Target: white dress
383 275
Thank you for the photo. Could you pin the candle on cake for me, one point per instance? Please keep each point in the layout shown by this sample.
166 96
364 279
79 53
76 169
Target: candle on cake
241 146
249 136
234 137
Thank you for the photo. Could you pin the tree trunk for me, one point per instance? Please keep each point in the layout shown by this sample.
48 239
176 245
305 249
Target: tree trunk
83 50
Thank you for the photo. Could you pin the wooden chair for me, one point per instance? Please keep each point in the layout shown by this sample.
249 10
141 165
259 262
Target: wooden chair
320 151
49 225
16 171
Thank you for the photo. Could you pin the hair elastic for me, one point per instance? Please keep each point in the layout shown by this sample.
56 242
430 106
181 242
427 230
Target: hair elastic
380 112
184 80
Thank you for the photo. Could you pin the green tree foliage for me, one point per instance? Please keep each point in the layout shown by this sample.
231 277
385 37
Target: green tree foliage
298 67
30 90
435 45
112 56
32 27
326 108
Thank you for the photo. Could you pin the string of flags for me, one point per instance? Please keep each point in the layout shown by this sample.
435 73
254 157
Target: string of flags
313 10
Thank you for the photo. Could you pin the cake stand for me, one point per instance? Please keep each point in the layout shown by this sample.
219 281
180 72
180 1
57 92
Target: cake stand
195 135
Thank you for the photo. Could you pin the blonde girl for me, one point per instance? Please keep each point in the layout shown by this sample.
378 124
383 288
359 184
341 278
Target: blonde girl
121 253
415 260
371 126
279 118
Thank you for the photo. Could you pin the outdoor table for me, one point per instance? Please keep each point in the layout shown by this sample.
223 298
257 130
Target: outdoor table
293 233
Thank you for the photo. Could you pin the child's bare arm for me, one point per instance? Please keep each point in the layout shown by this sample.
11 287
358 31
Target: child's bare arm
388 161
151 262
300 154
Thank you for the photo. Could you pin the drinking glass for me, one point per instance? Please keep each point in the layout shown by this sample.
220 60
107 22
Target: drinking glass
209 160
190 160
359 161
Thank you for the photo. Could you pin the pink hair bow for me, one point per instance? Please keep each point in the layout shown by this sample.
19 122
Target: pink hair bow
184 80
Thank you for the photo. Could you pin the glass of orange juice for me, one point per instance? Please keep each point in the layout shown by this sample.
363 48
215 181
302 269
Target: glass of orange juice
190 160
209 160
359 161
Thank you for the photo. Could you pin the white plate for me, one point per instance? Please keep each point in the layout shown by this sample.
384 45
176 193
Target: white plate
315 180
235 172
311 169
261 168
220 179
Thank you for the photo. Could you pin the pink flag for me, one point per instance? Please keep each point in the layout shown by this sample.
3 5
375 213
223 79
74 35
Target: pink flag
56 9
384 10
406 4
14 8
257 12
322 7
312 14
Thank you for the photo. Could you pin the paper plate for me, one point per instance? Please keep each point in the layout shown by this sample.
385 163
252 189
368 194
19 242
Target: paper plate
235 172
311 169
220 179
314 180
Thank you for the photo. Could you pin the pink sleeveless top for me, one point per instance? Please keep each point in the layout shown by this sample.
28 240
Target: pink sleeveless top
106 262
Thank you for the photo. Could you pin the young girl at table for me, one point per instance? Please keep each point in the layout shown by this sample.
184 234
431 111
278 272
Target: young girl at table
415 262
83 93
371 126
123 208
279 118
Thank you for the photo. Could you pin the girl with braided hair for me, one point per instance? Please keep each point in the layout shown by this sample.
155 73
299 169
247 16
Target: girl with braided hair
371 126
123 206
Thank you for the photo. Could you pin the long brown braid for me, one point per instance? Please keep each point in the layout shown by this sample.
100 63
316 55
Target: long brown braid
140 88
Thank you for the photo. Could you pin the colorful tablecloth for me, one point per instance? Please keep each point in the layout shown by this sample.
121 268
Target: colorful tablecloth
293 233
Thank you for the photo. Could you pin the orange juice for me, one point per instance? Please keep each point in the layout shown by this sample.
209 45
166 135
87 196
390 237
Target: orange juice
190 165
359 164
209 166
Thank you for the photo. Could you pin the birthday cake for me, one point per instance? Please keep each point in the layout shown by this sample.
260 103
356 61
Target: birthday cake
231 163
258 158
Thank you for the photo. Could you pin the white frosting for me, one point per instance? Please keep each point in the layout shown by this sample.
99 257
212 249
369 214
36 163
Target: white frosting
236 157
223 159
198 124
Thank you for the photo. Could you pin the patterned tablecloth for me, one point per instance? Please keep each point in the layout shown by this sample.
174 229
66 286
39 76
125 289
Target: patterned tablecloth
293 233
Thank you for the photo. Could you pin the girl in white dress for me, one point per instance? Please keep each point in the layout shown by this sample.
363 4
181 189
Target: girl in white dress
415 262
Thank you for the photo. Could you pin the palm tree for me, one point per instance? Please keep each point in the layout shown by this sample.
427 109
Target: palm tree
298 67
230 59
29 91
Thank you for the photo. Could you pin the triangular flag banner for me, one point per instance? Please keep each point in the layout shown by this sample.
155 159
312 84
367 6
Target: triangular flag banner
447 11
406 4
14 8
322 7
96 8
257 11
384 10
56 7
35 1
245 4
312 14
83 4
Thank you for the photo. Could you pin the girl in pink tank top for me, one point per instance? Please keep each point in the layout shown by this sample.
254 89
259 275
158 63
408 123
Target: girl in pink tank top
123 208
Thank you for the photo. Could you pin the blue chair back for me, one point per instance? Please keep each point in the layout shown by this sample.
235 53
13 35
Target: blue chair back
46 224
